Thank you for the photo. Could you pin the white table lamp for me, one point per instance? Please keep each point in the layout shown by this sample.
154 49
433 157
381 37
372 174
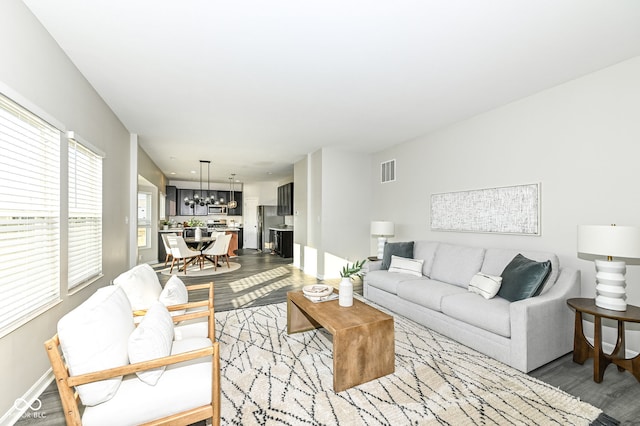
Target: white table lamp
382 230
611 241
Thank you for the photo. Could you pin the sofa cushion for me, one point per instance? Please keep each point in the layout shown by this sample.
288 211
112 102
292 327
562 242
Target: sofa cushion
485 285
141 285
387 281
425 250
495 260
152 339
456 264
182 386
174 293
523 278
93 337
406 266
403 249
492 315
426 292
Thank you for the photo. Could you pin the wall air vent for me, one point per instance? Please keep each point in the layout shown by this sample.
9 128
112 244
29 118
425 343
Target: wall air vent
388 171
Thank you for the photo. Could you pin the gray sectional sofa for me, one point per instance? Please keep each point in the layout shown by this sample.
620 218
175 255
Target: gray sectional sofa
524 334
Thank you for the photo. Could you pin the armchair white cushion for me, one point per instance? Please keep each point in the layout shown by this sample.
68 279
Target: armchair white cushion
94 336
141 285
174 293
182 387
152 339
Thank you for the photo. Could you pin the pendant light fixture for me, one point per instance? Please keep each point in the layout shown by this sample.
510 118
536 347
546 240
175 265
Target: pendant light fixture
232 199
198 199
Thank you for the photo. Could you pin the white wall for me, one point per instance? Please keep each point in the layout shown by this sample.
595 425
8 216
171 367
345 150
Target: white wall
581 140
332 197
34 66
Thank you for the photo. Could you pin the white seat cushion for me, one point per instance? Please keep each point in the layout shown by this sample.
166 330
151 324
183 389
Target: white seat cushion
182 386
426 292
489 314
198 327
94 336
141 286
388 281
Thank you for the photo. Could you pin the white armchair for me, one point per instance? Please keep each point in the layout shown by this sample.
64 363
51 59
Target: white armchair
126 375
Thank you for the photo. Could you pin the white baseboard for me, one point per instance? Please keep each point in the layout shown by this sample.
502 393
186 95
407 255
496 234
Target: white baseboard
28 401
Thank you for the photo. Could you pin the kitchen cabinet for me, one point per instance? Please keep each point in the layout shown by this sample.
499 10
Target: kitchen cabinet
171 200
285 200
283 243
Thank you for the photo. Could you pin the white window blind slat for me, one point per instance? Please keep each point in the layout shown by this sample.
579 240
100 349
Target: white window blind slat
85 214
29 214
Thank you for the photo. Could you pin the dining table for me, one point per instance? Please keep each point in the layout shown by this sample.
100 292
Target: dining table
199 243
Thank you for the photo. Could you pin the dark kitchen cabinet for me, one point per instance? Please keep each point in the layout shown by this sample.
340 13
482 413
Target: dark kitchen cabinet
283 243
171 200
285 200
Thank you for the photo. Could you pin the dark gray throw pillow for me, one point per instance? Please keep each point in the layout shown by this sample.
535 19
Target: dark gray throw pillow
396 249
523 278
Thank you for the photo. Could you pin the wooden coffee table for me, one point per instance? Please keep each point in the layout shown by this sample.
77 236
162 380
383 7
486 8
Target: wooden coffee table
363 337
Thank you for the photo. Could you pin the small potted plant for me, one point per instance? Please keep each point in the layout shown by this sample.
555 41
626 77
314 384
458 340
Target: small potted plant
165 224
346 287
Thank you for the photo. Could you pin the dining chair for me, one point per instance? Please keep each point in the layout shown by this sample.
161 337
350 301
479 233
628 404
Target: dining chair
180 250
219 249
167 248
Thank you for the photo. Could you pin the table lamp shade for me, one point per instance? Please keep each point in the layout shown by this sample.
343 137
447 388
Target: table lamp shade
605 240
611 241
382 228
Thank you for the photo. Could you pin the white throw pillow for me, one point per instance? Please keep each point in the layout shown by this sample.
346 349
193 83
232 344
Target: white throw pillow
174 293
406 265
93 337
150 340
141 285
485 285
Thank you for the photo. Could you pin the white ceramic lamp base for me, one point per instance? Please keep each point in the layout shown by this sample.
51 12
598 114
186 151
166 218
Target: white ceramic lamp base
381 242
610 285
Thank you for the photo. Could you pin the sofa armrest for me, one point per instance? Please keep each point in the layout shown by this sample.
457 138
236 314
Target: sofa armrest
542 326
374 265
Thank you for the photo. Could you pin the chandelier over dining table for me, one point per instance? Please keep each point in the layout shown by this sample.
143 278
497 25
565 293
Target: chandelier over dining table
198 198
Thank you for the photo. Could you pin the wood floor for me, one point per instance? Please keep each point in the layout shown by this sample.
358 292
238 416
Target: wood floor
265 279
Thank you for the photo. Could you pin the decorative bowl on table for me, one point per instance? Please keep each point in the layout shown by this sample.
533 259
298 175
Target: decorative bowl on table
317 290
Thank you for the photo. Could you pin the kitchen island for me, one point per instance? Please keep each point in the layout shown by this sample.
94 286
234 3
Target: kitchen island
282 237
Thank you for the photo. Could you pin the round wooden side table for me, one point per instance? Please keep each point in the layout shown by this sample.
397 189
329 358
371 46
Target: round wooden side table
583 350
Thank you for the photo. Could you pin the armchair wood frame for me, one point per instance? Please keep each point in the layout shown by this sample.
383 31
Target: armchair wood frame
66 383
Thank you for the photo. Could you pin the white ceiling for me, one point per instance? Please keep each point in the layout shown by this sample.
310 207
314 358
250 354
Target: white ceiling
254 85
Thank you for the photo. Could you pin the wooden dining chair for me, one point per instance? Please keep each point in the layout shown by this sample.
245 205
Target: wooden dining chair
167 248
219 249
180 251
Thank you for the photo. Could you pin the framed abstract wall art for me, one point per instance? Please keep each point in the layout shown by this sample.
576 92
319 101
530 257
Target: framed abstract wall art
503 210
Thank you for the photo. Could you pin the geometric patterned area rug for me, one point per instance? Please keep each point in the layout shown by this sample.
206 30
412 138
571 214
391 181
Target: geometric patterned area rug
269 377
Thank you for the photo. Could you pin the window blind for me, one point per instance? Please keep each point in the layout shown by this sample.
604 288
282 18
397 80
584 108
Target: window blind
85 214
29 215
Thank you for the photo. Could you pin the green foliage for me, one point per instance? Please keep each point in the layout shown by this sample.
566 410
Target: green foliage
354 270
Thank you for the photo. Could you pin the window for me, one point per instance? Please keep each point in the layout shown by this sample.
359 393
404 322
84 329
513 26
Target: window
85 213
144 220
29 215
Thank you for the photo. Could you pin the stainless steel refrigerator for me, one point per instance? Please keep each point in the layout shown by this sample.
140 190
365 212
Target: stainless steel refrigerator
267 218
